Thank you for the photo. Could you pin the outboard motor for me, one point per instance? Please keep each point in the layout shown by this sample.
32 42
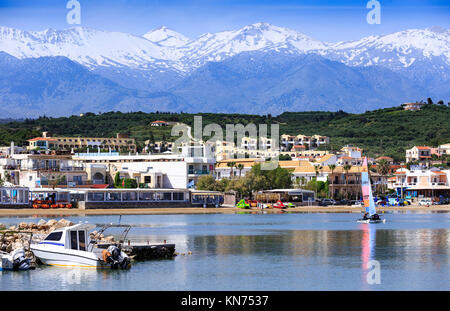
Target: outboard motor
118 258
20 262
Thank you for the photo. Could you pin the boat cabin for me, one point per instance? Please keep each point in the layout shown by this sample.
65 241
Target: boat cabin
75 237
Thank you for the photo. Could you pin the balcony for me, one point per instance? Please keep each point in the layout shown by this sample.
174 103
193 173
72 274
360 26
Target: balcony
59 169
199 172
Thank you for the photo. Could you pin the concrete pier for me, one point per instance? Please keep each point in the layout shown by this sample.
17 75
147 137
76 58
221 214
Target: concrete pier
146 252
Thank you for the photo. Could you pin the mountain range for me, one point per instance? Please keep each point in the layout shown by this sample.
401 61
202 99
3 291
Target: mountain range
260 68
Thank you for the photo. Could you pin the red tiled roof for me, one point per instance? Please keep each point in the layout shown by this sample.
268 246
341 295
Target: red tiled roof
400 173
159 122
385 158
423 147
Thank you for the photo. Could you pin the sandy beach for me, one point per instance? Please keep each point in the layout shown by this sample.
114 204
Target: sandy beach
220 210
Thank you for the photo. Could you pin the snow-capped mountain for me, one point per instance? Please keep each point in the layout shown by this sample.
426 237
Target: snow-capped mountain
164 48
258 68
395 51
260 36
88 47
166 37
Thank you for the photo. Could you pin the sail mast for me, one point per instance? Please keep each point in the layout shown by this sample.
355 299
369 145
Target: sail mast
369 203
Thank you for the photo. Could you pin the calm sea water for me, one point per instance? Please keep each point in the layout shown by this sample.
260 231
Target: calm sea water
266 252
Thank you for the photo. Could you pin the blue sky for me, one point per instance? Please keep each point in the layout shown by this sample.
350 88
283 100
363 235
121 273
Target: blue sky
323 20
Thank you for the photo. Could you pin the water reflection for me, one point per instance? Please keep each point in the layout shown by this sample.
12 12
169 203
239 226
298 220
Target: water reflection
268 252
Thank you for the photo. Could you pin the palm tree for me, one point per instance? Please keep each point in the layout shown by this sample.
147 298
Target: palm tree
383 169
347 168
317 169
231 165
240 167
332 167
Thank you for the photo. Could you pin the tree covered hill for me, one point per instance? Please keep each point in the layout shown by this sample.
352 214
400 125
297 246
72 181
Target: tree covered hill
379 132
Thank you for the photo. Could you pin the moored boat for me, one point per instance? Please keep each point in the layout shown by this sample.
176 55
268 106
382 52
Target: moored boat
73 247
280 205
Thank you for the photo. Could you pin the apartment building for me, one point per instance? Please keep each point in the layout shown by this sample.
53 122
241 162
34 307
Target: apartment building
121 143
177 170
418 153
421 182
287 142
41 170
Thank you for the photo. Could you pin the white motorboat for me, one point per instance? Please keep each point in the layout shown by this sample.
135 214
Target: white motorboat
15 261
73 247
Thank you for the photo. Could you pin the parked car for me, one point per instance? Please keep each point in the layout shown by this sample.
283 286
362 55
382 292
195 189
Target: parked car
382 202
425 202
343 202
326 202
357 203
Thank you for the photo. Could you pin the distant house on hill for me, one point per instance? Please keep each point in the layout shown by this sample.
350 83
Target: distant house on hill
418 153
413 106
159 123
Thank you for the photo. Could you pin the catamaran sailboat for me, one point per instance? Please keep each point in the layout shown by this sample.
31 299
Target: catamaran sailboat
72 247
371 216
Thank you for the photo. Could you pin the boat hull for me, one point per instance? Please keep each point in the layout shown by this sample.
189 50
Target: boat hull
58 256
370 221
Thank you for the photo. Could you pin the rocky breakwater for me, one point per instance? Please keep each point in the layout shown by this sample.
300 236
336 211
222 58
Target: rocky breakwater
21 235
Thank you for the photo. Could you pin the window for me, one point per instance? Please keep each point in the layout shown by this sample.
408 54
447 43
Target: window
167 196
73 240
82 239
145 196
113 196
54 236
147 179
178 196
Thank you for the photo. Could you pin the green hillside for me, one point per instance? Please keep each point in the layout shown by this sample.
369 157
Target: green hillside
380 132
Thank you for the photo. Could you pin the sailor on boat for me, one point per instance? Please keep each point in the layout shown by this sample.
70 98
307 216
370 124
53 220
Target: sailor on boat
373 217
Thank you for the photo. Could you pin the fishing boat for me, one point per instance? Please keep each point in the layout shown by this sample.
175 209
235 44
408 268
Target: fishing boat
73 247
14 261
371 216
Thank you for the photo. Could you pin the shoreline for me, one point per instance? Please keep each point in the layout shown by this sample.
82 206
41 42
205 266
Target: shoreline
201 210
